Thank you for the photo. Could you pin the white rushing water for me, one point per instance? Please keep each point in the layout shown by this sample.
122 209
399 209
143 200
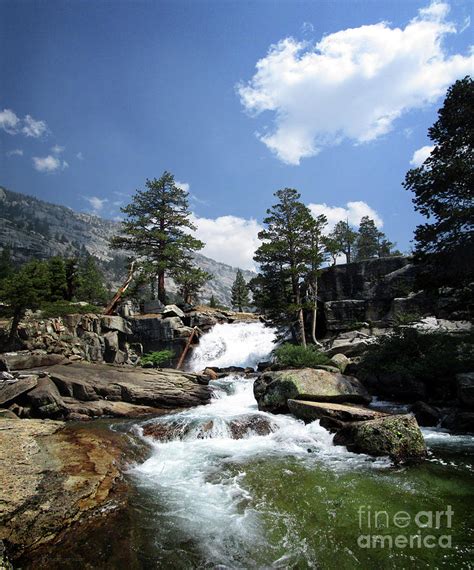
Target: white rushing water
200 473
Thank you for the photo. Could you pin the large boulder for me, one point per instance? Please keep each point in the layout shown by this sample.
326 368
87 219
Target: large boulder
397 436
334 415
12 389
115 323
45 400
172 311
25 360
273 389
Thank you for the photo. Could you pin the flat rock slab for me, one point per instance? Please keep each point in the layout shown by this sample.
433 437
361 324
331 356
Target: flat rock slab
273 389
27 360
10 390
310 411
161 388
50 477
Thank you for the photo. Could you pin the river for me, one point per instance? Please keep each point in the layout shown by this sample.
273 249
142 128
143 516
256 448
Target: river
289 498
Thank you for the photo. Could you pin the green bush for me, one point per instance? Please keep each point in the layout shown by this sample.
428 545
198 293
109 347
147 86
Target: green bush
429 357
156 359
61 308
298 356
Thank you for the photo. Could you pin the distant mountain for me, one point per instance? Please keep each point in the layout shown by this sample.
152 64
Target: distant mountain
35 229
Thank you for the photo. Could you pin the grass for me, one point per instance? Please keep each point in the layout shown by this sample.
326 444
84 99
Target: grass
297 356
157 359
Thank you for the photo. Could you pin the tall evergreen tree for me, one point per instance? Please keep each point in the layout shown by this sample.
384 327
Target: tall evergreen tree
343 239
286 255
443 188
367 244
240 292
26 289
6 263
91 286
157 228
212 302
190 281
57 278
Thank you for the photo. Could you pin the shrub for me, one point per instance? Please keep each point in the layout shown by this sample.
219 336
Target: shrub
429 357
156 359
298 356
61 308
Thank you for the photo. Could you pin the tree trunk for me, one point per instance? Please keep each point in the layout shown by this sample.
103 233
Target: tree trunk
315 312
14 326
297 297
161 287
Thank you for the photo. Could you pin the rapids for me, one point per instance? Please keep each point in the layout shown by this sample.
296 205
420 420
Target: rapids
285 499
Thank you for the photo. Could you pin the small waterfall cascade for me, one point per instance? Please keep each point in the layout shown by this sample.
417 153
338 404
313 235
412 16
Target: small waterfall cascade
197 466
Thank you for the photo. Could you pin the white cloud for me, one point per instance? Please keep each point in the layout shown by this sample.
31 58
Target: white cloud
80 156
49 163
13 125
15 152
353 84
420 155
183 185
229 239
9 121
33 128
353 212
56 149
96 203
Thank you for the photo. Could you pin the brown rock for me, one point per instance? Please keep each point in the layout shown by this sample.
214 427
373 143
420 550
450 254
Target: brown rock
310 411
11 390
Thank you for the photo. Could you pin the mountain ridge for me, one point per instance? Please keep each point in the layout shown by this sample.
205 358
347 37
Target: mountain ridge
36 229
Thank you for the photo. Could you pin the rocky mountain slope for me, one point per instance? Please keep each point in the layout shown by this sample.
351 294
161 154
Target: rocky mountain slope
36 229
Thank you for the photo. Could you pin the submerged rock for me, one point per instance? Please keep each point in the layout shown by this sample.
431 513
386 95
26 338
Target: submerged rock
397 436
273 389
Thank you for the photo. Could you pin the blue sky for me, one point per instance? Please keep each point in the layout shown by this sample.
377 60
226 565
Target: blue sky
96 97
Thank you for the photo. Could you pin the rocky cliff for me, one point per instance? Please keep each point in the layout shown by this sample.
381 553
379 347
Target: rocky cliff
36 229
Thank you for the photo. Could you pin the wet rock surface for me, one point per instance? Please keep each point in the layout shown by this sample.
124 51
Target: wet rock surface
273 389
52 477
397 436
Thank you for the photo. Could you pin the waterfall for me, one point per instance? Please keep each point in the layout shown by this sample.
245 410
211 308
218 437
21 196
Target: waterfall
238 344
197 471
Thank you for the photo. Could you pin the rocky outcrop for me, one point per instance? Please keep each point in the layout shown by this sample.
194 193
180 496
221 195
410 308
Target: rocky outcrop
51 479
81 391
273 389
397 436
465 389
331 415
379 293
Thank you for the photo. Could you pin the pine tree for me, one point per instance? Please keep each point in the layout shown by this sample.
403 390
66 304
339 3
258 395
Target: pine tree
26 289
240 292
157 228
57 278
212 302
343 239
286 257
367 244
190 281
72 277
91 286
6 263
443 188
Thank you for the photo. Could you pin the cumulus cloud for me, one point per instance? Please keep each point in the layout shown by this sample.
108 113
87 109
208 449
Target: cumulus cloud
57 149
80 156
49 163
353 212
420 155
33 128
15 152
96 203
9 121
353 84
13 125
229 239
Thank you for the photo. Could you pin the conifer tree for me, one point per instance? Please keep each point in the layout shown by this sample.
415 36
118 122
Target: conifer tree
212 302
57 278
343 239
157 229
91 286
443 188
367 244
286 257
190 281
240 292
